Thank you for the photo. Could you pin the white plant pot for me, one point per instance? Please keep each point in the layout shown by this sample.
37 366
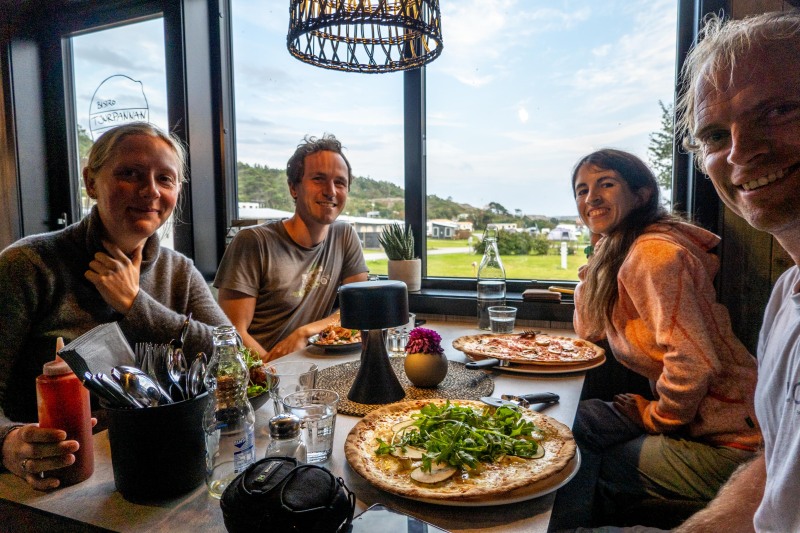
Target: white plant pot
408 271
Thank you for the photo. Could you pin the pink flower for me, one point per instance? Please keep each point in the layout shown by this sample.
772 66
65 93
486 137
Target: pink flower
422 340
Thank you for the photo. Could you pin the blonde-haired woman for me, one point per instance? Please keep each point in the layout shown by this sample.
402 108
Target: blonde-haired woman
109 267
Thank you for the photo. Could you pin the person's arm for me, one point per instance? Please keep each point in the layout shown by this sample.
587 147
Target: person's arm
240 309
733 509
26 450
298 339
668 303
160 309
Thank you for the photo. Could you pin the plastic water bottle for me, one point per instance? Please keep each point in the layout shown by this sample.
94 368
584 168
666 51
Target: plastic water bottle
491 278
229 418
285 439
63 403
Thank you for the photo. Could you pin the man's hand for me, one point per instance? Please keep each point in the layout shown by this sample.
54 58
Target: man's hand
116 276
632 406
297 340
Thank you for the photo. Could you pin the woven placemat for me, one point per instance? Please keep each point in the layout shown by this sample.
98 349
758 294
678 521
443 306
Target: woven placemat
460 384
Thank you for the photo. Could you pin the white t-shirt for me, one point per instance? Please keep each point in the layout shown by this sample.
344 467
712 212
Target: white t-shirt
778 406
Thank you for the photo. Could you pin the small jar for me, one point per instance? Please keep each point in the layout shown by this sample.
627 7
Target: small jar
285 440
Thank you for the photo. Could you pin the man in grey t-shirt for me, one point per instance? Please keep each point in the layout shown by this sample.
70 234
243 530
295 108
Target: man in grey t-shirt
278 281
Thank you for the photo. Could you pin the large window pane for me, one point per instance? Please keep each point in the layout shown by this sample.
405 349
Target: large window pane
280 99
520 92
119 76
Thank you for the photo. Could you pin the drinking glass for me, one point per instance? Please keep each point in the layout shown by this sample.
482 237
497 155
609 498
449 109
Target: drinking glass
397 338
286 377
316 408
502 318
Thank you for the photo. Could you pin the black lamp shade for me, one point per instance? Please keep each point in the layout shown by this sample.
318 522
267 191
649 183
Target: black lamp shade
367 305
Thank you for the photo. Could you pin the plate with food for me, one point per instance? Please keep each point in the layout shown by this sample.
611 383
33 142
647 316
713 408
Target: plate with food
462 452
335 339
258 385
531 349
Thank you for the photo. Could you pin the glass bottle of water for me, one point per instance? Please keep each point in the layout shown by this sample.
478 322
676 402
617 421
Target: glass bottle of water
285 439
229 418
491 278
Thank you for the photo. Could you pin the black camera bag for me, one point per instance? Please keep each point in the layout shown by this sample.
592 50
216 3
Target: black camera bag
278 494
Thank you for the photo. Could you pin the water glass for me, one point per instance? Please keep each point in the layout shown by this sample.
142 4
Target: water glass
286 377
502 318
397 338
316 408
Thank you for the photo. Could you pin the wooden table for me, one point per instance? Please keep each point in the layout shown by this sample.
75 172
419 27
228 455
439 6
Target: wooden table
96 502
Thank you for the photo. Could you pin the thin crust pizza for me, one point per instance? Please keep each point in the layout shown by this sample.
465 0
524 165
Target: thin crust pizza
375 449
541 349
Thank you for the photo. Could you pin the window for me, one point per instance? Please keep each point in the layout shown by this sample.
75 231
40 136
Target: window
519 138
279 100
119 76
521 91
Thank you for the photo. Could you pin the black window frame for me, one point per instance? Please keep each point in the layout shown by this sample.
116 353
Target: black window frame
201 111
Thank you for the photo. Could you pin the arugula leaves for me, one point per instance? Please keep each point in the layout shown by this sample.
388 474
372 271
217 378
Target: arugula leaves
460 436
253 362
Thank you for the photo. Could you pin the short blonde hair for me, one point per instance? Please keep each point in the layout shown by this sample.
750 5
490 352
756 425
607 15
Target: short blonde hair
104 146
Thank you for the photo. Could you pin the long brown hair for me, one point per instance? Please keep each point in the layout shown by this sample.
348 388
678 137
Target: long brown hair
600 283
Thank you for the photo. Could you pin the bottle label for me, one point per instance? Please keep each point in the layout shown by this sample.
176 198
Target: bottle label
245 453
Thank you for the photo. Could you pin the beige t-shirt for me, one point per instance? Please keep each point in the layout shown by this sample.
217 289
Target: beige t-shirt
293 285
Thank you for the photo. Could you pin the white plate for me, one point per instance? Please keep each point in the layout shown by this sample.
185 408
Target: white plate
535 490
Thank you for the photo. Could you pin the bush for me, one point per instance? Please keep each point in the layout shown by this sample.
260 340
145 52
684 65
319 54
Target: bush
510 243
540 246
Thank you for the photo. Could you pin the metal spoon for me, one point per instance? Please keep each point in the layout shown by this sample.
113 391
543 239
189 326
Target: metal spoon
139 385
176 362
194 380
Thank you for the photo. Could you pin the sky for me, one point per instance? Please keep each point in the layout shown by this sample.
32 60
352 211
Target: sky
522 90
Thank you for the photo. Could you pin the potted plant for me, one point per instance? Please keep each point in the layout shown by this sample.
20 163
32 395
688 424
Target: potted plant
398 243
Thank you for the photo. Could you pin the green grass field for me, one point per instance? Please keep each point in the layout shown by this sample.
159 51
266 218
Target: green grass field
462 265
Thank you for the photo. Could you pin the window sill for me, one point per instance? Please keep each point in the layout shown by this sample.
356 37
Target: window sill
463 303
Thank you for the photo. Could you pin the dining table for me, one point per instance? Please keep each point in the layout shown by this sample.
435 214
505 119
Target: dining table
96 505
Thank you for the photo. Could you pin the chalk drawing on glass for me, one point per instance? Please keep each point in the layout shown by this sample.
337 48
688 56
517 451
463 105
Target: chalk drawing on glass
118 100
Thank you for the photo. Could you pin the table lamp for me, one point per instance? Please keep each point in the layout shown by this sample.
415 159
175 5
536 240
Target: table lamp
373 306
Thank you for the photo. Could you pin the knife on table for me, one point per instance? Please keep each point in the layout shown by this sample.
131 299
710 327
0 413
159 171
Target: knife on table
524 400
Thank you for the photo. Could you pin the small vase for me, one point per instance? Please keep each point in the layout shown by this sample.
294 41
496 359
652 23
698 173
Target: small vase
408 271
425 369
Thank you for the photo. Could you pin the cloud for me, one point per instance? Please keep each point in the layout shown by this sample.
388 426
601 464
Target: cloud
479 34
601 51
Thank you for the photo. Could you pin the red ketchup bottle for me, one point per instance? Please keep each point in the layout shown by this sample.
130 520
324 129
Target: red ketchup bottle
63 403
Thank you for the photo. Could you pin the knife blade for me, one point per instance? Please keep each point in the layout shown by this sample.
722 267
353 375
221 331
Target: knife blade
524 400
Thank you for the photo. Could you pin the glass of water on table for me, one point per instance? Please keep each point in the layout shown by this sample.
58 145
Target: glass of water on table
502 318
316 409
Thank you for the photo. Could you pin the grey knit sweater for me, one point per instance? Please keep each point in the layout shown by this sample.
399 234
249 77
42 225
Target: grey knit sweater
44 295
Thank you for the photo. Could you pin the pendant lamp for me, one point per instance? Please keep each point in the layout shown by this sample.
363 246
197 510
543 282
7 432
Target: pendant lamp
370 36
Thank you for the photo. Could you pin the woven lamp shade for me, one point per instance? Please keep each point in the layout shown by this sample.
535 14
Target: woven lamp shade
370 36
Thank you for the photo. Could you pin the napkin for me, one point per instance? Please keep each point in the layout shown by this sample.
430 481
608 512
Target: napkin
540 295
103 348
